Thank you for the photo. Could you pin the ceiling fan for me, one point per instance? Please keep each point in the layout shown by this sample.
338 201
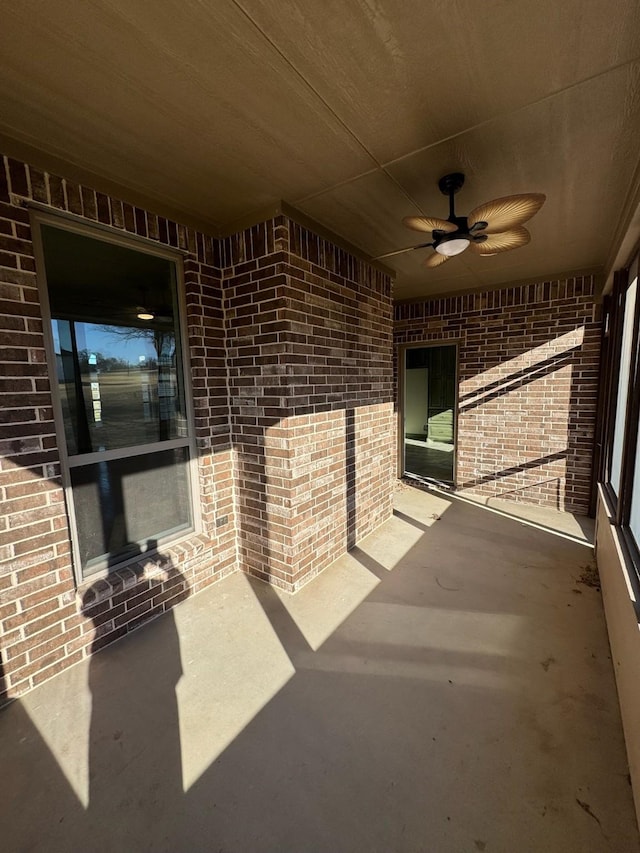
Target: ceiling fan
496 226
144 311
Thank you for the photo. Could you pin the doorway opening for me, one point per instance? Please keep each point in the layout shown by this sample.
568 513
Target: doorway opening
429 412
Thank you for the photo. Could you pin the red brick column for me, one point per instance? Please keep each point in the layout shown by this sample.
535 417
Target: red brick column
310 373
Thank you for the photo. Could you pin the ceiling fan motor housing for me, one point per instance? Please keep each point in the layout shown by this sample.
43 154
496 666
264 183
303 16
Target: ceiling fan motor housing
451 184
462 233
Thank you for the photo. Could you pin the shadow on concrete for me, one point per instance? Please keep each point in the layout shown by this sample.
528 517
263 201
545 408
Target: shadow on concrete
135 731
527 514
134 755
466 702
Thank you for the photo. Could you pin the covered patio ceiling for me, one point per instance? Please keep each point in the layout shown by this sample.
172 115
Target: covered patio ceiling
216 112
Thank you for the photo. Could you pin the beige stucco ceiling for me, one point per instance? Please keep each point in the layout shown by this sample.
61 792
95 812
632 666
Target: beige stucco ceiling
350 112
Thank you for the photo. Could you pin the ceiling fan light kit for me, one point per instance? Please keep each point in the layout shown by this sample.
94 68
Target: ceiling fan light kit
493 227
452 245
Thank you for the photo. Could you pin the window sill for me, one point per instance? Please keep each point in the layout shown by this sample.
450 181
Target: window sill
627 566
158 566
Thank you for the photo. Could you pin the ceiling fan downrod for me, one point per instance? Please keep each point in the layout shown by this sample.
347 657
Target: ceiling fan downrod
449 185
453 244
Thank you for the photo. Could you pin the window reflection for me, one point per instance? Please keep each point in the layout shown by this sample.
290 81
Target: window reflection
124 502
119 385
118 365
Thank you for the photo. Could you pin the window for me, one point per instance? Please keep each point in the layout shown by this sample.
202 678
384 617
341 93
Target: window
117 367
620 416
623 384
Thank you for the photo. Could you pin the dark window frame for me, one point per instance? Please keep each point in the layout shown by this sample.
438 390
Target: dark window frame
401 357
110 235
619 505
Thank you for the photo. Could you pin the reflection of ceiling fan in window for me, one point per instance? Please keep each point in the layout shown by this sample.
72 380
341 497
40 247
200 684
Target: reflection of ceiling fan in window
148 311
496 226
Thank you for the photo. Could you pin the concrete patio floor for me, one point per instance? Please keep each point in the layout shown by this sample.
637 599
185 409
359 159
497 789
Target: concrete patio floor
446 687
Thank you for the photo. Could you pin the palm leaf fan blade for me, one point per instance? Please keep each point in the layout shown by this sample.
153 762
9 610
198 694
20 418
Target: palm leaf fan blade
512 239
435 260
429 224
503 214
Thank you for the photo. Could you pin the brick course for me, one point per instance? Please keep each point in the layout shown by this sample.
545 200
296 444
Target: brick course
528 377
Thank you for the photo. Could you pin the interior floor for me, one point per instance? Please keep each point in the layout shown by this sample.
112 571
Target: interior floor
446 686
430 459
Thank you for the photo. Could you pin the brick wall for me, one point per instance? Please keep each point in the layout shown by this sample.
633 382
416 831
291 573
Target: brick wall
290 355
528 373
310 373
46 623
